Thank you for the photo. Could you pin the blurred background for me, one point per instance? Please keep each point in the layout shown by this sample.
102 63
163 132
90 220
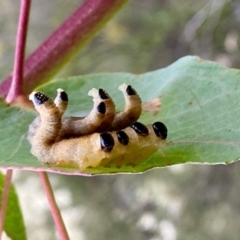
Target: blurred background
182 202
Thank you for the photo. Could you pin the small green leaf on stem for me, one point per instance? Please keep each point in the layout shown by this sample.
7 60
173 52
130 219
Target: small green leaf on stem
13 224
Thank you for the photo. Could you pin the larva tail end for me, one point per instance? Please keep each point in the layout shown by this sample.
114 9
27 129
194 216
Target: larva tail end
128 89
62 95
61 100
38 98
123 87
98 93
103 94
93 93
31 96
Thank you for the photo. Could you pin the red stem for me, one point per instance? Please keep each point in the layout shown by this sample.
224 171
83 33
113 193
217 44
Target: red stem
7 185
80 27
56 214
17 79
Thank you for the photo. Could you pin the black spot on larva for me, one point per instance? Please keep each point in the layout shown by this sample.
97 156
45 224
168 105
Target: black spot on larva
102 94
106 141
122 137
64 96
160 130
101 108
140 129
40 98
130 90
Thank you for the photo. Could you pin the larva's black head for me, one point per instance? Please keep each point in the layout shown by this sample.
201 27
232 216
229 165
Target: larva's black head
106 141
122 137
130 91
64 96
140 129
102 94
160 130
39 98
101 108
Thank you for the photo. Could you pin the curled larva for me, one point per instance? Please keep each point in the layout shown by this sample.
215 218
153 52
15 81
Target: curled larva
127 146
102 117
132 109
102 113
99 121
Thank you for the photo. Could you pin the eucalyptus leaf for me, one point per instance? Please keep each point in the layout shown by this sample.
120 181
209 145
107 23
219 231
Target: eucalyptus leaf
200 105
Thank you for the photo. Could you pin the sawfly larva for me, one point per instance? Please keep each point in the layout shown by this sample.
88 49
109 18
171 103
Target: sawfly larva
103 137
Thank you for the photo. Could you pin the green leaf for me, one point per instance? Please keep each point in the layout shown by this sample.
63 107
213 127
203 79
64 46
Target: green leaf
200 107
13 224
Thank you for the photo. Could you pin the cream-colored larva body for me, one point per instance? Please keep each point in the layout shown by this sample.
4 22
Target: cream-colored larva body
87 152
56 145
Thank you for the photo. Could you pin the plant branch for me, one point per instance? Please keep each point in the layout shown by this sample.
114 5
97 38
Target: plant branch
17 78
56 214
7 185
71 36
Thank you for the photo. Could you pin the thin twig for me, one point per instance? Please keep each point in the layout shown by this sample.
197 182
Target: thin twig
56 214
7 185
17 80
